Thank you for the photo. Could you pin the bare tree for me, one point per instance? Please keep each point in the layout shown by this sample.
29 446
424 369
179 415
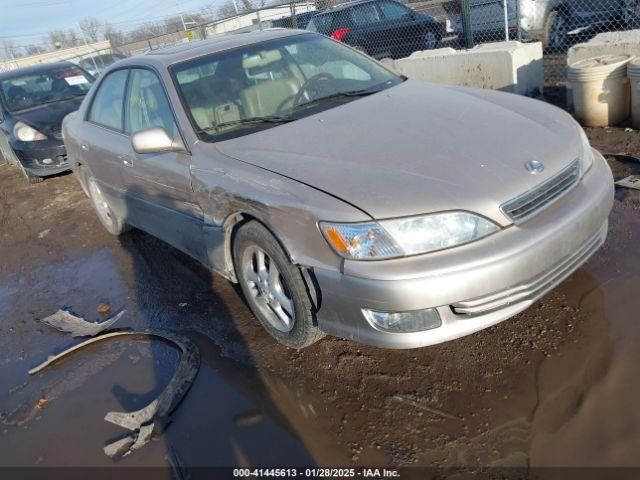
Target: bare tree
10 49
172 25
210 11
33 49
115 36
227 9
73 39
58 38
91 28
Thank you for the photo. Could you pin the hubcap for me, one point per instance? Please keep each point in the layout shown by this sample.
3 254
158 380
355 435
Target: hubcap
102 207
268 289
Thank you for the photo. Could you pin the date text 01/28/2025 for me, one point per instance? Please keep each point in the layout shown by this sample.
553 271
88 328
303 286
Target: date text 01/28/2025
315 472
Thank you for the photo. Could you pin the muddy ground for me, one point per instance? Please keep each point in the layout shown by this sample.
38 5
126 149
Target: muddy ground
556 385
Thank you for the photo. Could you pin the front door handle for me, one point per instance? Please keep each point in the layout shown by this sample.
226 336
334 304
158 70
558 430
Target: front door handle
126 160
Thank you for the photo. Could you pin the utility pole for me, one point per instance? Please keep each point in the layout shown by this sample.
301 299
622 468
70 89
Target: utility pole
294 16
506 20
466 23
93 57
184 26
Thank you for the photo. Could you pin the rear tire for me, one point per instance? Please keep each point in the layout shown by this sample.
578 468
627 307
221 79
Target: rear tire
556 29
110 221
274 287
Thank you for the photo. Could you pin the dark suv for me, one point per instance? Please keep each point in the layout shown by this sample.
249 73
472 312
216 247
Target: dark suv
380 28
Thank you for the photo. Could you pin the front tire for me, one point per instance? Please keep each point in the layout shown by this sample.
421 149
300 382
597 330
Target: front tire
273 287
31 179
110 221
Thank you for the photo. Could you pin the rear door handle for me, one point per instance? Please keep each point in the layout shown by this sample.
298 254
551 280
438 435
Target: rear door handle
84 147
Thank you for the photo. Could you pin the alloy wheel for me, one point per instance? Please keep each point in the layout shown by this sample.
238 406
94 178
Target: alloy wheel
102 207
268 289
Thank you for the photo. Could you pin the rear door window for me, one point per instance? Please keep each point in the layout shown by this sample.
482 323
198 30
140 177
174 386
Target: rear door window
321 24
365 14
393 11
106 109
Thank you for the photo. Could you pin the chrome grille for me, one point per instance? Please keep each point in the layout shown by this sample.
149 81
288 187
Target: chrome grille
541 196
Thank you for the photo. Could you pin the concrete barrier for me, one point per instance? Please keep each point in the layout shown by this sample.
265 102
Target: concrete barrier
508 66
608 43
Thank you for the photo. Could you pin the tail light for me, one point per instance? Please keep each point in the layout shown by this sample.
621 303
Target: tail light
340 33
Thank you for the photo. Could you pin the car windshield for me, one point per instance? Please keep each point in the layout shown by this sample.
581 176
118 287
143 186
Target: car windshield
247 89
25 91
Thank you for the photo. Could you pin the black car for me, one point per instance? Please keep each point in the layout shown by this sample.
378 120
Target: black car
95 64
33 102
302 20
380 28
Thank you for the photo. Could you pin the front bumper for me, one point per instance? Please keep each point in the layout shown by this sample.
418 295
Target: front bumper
33 155
476 285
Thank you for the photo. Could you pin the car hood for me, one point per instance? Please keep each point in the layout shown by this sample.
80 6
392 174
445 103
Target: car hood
418 148
48 118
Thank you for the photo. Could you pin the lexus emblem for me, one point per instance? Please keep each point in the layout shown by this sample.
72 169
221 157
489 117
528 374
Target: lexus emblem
534 166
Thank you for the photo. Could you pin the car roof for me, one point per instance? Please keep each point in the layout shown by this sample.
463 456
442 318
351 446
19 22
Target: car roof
345 5
41 67
186 51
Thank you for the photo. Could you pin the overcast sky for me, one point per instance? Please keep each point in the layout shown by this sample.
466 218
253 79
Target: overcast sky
27 21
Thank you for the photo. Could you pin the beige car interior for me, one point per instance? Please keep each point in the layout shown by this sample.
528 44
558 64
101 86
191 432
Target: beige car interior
256 87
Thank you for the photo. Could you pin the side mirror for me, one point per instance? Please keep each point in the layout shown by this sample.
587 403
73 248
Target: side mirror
155 140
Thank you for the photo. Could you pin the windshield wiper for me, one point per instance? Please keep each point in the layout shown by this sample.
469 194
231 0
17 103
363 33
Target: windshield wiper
349 93
242 121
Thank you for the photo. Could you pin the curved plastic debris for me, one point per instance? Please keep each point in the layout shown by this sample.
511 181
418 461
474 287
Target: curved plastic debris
66 321
54 358
150 420
172 394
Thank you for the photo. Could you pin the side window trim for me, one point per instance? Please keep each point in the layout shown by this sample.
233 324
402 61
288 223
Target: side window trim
95 94
127 86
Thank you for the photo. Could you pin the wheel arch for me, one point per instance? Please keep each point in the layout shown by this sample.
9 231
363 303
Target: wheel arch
234 222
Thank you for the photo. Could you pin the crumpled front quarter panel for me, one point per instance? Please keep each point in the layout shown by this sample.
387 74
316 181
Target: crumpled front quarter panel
290 209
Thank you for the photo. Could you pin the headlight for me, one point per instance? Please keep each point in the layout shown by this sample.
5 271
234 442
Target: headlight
25 133
586 155
405 236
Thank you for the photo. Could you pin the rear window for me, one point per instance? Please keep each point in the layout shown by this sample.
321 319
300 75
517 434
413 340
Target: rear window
48 86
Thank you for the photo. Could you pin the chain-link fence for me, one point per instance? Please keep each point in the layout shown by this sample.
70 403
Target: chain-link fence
92 57
397 28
